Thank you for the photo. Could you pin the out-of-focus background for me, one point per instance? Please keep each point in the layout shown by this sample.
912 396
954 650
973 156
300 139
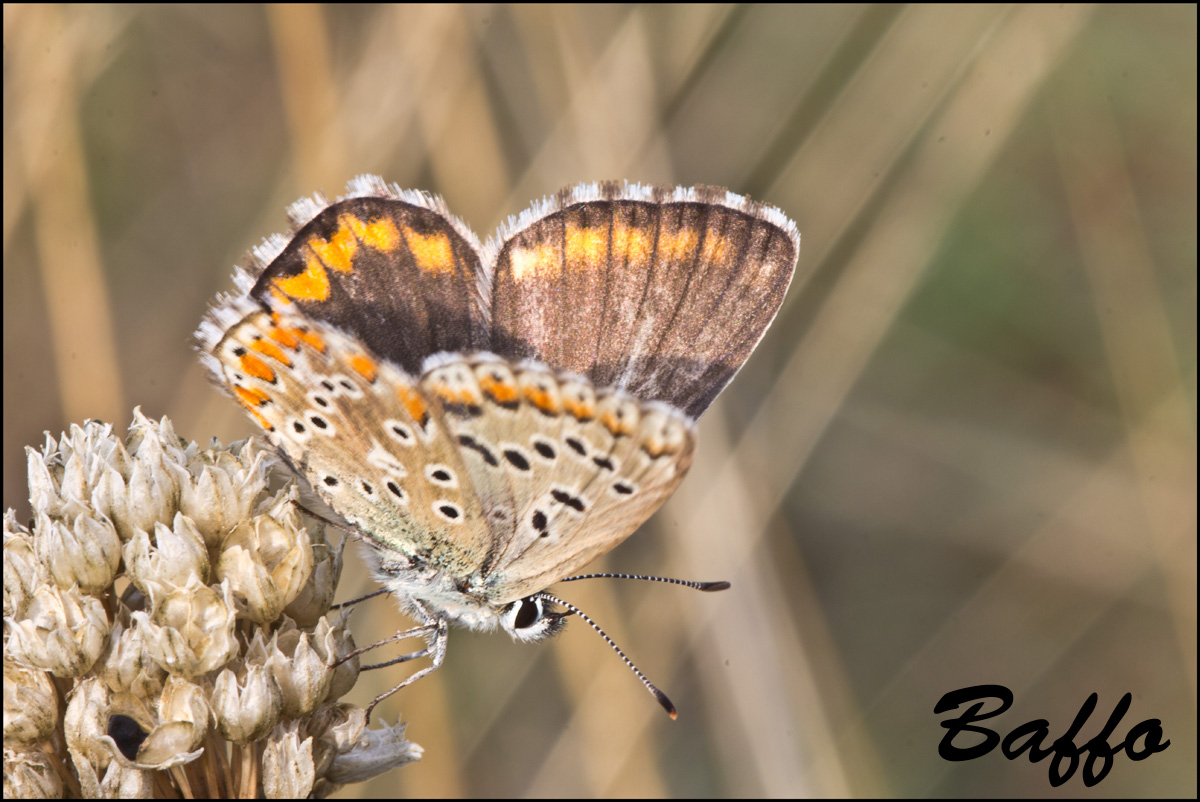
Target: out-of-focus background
965 453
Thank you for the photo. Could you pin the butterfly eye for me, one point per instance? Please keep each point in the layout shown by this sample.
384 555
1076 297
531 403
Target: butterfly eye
527 613
530 620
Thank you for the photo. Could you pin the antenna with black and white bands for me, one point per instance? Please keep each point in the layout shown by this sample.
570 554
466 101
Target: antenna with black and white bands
439 653
659 696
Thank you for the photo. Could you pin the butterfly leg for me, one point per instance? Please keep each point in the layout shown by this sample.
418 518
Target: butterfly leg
424 629
436 649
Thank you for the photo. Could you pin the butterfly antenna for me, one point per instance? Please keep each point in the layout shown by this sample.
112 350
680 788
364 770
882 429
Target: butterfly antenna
658 695
707 587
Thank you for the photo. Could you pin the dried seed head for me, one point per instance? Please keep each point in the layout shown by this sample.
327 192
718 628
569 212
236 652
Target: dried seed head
147 620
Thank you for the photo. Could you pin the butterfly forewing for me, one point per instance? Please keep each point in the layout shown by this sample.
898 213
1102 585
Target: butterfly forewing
362 434
400 275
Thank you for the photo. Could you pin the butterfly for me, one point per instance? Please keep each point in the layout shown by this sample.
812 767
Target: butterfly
491 418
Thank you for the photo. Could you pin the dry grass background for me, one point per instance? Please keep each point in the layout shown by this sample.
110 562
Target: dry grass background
965 453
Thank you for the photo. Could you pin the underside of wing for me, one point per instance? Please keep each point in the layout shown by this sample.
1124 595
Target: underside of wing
359 430
564 474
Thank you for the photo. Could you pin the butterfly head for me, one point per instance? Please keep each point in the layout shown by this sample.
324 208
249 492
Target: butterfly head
531 619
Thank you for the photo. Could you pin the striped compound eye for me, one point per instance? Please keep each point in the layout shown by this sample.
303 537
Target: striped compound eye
530 620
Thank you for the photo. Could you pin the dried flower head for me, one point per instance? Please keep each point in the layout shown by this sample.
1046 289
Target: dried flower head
168 629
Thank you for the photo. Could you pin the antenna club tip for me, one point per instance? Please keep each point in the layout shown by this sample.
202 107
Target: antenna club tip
666 703
709 587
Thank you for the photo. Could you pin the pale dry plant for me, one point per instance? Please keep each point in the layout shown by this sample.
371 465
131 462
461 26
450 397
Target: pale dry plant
168 629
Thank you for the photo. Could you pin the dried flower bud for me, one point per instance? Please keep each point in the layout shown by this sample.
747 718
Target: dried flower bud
224 489
184 702
83 552
22 569
178 553
374 752
136 738
335 728
191 630
341 642
127 666
247 701
266 563
63 632
151 495
287 763
86 722
118 782
30 704
148 489
302 667
317 595
29 774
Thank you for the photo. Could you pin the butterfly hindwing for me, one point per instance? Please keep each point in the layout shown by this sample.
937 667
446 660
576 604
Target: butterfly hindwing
625 458
562 474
